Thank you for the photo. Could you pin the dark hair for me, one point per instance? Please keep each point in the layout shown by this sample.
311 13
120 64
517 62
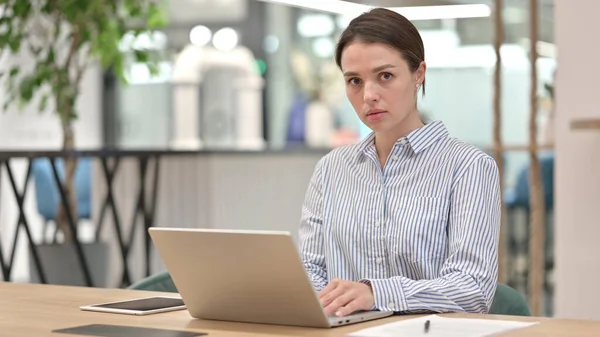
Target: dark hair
382 25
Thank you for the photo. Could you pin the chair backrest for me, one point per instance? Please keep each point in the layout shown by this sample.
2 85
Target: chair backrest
158 282
46 191
519 197
507 301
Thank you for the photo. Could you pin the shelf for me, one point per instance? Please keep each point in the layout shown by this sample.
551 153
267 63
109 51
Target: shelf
522 147
586 124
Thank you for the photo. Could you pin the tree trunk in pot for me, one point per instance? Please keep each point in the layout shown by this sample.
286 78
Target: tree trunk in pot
70 162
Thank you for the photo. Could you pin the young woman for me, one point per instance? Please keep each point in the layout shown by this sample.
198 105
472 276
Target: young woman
408 219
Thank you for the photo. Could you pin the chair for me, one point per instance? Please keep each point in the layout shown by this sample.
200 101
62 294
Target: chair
158 282
508 301
47 195
519 196
518 232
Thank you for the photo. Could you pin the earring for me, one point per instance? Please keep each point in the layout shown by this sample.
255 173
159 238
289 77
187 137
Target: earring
418 85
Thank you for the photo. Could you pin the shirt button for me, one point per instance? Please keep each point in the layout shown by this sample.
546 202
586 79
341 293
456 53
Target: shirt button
394 157
377 224
392 305
379 260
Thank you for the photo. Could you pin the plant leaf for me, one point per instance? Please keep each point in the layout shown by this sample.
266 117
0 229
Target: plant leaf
43 103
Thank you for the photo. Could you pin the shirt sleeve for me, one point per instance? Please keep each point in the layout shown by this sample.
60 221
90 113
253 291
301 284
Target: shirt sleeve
468 279
311 232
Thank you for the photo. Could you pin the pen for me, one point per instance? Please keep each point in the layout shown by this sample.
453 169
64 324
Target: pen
427 326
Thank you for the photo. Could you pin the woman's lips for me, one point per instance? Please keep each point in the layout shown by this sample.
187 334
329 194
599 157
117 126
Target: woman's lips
375 115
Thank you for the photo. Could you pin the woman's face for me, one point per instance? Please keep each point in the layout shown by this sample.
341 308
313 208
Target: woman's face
381 87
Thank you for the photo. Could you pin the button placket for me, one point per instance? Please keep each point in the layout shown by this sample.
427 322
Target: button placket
381 225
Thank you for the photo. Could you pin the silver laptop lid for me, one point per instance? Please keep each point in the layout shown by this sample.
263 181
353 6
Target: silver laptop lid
237 275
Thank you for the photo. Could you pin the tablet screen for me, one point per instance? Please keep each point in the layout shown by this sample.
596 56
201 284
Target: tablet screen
144 304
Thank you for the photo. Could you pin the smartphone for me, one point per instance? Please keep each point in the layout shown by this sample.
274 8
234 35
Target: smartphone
140 306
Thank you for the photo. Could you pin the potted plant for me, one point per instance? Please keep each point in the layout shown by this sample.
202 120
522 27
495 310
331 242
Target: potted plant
64 38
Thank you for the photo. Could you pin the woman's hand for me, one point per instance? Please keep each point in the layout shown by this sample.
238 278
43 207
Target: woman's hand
346 297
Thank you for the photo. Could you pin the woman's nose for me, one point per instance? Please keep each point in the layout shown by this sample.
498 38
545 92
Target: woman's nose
370 93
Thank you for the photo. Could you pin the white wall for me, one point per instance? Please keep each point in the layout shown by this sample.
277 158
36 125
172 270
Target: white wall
577 161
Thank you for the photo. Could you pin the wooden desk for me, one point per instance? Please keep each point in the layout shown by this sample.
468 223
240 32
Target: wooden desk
36 310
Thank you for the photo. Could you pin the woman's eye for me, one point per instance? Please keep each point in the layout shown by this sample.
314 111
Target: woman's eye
354 81
386 76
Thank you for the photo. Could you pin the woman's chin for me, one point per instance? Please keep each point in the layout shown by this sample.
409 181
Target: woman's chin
378 127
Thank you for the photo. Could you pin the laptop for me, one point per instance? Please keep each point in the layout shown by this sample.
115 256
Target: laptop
245 276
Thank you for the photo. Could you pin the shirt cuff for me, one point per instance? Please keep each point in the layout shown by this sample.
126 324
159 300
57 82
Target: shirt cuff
388 294
317 283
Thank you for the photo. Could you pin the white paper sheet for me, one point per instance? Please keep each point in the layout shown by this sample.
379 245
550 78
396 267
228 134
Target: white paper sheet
442 327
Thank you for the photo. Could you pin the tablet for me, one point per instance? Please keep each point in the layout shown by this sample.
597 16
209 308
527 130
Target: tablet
140 306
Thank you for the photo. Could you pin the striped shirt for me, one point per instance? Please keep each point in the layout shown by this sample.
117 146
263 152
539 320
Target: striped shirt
423 231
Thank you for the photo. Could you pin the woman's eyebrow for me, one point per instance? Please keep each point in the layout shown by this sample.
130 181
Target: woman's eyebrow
375 70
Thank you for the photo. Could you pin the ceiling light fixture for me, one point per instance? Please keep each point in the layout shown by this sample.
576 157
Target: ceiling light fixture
444 12
329 6
411 13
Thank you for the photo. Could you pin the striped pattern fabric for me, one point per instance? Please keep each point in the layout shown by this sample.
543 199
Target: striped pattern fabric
423 231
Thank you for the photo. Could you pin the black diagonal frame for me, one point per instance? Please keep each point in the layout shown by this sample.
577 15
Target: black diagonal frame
21 223
142 208
109 202
71 222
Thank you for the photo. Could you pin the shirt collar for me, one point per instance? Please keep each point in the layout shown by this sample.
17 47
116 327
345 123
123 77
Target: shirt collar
418 140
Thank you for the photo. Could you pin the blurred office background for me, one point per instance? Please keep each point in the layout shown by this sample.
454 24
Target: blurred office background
253 88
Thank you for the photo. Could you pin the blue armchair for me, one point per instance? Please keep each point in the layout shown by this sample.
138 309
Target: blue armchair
47 195
518 199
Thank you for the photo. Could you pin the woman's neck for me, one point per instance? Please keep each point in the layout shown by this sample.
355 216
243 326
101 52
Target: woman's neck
384 141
